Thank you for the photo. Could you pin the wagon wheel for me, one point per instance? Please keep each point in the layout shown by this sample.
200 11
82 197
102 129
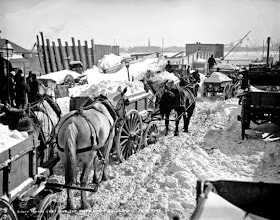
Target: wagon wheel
99 165
49 208
245 122
69 80
7 211
129 136
151 134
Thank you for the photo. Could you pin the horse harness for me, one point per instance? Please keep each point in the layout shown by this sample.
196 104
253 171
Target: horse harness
191 96
80 112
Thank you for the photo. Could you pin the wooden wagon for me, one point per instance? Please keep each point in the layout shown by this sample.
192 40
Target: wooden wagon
23 191
136 130
217 83
258 105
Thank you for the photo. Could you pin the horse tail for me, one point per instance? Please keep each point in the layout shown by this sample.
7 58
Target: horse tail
71 133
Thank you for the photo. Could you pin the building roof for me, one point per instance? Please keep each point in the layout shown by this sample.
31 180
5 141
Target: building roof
17 48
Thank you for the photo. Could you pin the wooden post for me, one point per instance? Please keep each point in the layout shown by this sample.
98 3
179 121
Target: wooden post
62 53
51 56
57 57
68 54
39 49
74 49
45 53
89 63
93 52
81 55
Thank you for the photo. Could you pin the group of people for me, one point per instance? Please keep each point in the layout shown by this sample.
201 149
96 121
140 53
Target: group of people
192 76
16 90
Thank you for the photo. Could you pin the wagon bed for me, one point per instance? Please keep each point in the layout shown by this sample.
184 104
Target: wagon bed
259 106
18 167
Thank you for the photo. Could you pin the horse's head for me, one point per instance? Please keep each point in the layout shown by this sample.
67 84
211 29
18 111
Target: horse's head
118 100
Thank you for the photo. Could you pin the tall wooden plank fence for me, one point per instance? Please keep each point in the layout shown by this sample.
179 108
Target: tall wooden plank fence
57 57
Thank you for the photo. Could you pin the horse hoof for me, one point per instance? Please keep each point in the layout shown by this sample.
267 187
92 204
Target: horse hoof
186 130
105 177
85 205
70 206
176 134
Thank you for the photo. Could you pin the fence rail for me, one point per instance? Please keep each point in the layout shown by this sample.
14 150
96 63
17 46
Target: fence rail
56 57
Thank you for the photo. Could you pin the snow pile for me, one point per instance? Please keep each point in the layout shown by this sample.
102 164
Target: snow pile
217 77
163 76
106 87
136 71
157 65
9 138
59 76
200 60
159 182
227 66
109 61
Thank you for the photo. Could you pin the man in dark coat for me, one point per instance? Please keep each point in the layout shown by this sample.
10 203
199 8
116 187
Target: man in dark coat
21 89
34 88
168 67
211 62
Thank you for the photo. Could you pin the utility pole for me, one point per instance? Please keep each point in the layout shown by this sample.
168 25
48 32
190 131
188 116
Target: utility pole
162 46
237 44
267 58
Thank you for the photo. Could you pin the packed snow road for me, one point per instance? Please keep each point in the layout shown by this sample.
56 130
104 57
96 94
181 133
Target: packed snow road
159 182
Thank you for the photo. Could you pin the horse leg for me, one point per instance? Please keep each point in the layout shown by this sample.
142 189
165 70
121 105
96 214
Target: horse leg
188 117
107 151
95 164
180 112
87 166
186 123
167 114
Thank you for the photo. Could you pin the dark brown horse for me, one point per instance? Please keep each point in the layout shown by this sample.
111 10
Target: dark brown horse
182 100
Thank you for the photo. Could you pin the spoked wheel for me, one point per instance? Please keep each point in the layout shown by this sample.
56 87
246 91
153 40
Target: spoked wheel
7 211
245 122
151 134
129 137
49 208
69 80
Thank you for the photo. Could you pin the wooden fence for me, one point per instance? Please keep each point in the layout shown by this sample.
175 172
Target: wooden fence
57 57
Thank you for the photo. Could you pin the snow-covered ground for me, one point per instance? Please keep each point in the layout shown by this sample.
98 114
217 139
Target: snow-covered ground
159 181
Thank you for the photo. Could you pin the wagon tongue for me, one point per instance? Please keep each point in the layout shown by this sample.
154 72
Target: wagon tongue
58 186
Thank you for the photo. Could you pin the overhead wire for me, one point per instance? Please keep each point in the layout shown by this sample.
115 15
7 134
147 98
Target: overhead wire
253 47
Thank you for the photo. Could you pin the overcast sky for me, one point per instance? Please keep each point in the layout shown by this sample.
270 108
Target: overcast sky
133 22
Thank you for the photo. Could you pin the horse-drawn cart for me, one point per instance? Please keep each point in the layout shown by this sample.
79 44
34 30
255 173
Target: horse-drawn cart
258 105
138 128
217 83
23 190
